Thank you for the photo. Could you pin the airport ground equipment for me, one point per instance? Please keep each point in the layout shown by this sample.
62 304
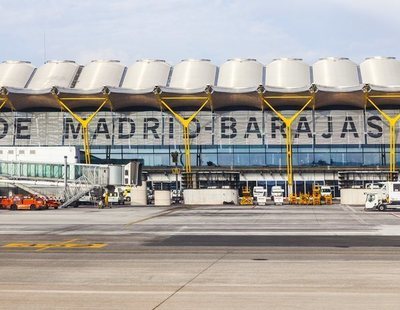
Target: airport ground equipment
316 194
247 198
304 199
326 194
116 198
321 194
20 202
385 197
277 195
260 195
69 181
293 199
6 202
125 191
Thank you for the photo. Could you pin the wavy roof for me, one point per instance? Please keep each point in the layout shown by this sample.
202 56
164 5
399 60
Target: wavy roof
235 83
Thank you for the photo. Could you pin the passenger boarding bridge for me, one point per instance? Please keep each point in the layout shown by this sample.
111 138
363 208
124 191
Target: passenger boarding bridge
68 181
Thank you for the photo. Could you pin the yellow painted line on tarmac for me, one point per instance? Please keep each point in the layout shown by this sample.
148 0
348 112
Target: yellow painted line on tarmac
69 244
55 245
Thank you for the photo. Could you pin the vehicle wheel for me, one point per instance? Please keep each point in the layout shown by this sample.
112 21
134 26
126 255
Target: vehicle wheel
32 207
382 208
128 199
55 207
1 206
13 207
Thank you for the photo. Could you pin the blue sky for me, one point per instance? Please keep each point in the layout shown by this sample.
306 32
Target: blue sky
215 29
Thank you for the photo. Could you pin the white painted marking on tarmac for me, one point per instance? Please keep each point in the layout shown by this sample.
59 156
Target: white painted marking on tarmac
203 292
82 292
243 233
389 230
396 215
353 214
351 209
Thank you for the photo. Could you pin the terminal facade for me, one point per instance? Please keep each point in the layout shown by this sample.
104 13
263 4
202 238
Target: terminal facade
337 129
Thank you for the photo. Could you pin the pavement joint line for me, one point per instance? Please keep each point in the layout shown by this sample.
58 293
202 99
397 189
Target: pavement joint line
395 214
351 208
161 213
353 214
191 280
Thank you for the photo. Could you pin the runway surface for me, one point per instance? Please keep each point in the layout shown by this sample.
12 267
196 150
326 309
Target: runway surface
336 257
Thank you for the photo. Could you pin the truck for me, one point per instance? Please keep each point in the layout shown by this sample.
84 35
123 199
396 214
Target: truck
28 202
19 202
326 191
260 195
116 198
277 194
385 195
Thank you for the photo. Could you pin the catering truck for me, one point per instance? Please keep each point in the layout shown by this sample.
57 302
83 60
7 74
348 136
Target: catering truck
277 194
260 195
385 195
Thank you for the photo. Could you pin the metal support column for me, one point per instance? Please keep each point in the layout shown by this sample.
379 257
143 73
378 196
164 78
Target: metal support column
185 122
4 100
392 121
288 121
84 121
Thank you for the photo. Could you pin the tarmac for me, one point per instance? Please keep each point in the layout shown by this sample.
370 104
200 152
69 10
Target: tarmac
214 257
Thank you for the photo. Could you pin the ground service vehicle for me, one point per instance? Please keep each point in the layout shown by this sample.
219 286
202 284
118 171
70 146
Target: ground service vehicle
277 195
86 199
326 191
125 191
385 197
20 202
5 202
116 198
260 195
28 202
52 203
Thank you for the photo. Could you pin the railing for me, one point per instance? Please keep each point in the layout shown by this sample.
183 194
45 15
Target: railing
95 174
80 178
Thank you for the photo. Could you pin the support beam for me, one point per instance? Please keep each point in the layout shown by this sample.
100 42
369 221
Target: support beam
84 121
185 122
392 121
4 101
288 121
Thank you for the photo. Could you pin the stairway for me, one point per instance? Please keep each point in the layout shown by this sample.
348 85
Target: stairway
76 190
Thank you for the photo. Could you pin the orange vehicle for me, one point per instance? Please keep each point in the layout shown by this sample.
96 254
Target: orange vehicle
27 203
52 203
5 202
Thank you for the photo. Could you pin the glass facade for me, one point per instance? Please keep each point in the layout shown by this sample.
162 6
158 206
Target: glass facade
237 138
250 155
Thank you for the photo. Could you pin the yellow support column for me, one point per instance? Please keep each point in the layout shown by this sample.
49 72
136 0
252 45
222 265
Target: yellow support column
84 121
288 121
392 121
4 100
185 122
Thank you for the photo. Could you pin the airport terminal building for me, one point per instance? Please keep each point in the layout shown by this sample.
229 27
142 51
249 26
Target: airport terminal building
242 116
